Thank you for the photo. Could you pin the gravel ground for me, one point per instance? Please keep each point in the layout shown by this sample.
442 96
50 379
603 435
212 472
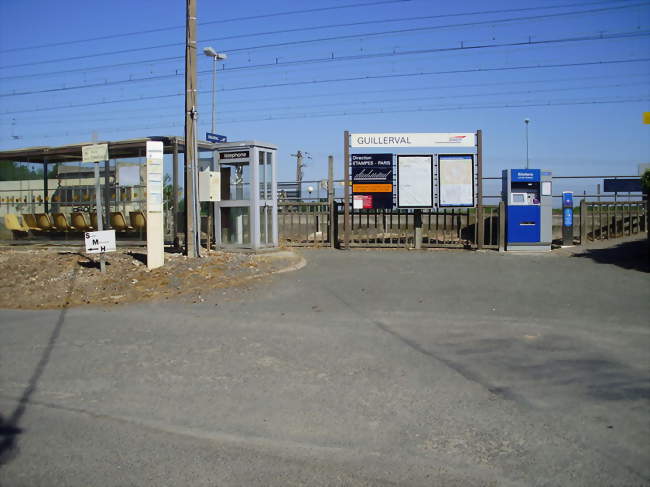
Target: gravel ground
56 278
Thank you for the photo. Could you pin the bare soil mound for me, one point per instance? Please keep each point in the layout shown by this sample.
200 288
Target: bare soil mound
55 278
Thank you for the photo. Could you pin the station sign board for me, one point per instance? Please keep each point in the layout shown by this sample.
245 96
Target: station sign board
442 139
622 185
215 138
372 180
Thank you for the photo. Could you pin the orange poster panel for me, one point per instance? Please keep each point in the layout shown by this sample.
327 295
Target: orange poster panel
372 188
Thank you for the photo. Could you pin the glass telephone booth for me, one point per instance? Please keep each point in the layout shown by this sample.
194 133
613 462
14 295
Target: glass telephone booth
247 214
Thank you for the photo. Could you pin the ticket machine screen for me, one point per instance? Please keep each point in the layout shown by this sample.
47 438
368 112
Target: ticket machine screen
518 199
525 193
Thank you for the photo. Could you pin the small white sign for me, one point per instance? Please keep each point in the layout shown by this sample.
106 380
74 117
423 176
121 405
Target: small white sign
94 153
100 242
446 139
155 176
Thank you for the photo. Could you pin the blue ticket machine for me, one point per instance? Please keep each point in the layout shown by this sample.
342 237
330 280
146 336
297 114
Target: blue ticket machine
527 194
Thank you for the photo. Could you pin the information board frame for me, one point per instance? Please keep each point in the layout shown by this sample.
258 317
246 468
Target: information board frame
400 180
472 159
372 175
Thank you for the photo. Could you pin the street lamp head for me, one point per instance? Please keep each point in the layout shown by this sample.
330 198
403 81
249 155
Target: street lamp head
527 120
218 56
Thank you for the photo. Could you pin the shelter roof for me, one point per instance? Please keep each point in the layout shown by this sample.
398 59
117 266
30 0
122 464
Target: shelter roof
116 149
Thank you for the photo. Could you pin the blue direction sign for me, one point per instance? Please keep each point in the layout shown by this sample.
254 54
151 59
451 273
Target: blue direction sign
622 185
216 138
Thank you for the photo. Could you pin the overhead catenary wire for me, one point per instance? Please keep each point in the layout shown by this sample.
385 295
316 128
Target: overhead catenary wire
349 78
354 93
330 38
149 61
219 21
597 37
547 103
401 100
523 104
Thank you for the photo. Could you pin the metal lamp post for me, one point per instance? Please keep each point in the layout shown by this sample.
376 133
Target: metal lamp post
216 56
527 121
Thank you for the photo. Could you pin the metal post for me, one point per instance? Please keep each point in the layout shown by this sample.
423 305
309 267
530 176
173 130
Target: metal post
567 218
214 93
107 193
480 230
346 189
211 206
330 199
583 222
527 161
175 193
417 217
45 189
98 212
191 248
502 226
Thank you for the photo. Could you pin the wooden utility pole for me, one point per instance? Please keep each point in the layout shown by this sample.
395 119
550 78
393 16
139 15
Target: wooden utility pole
191 218
299 173
298 155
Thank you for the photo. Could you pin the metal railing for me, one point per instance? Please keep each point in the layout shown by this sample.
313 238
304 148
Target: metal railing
303 224
603 220
310 224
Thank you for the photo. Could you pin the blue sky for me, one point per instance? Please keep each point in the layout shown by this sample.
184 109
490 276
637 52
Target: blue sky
290 75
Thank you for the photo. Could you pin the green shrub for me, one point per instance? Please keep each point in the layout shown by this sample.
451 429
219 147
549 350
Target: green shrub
645 181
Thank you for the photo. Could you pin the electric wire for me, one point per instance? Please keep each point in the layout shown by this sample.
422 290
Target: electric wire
523 104
354 57
349 78
354 93
395 100
331 38
220 21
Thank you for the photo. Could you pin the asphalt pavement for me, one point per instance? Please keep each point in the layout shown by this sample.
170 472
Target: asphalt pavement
365 367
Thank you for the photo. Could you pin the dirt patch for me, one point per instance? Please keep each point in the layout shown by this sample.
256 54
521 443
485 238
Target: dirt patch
54 278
